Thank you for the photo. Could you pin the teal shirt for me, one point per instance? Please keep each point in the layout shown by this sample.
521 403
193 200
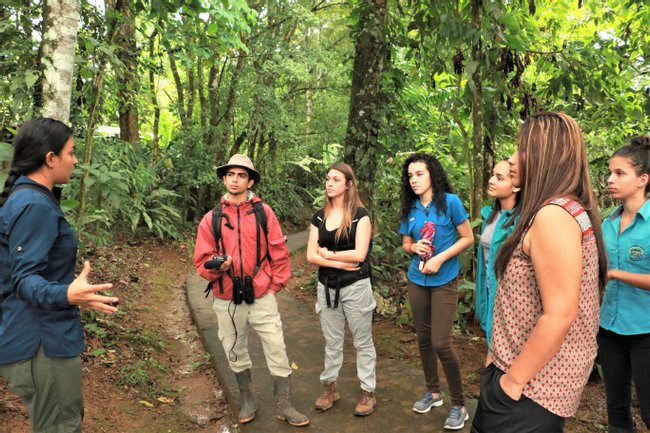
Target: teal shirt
486 280
625 308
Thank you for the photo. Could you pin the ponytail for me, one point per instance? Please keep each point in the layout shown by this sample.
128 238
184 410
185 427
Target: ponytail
33 141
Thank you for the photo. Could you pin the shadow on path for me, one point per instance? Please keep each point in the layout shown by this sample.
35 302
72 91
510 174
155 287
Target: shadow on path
399 383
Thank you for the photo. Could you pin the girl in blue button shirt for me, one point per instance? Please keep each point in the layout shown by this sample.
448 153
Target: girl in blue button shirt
624 337
433 284
41 336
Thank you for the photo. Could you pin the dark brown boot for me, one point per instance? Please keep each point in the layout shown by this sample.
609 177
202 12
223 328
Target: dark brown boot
328 397
365 403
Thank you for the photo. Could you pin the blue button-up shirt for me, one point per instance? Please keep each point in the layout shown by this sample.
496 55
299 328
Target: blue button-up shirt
38 251
445 236
625 308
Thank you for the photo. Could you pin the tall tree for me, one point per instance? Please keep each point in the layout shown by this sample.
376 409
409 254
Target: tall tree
362 148
60 20
127 76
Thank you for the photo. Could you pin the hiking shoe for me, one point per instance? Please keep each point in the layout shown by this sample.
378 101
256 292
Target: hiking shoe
328 397
427 401
365 403
456 419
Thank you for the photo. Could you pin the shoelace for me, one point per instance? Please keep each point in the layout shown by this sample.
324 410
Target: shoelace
456 413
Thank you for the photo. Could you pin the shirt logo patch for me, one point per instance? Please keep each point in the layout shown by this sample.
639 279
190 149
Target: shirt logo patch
636 252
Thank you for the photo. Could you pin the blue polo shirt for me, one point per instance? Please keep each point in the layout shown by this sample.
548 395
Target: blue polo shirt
38 250
445 237
625 308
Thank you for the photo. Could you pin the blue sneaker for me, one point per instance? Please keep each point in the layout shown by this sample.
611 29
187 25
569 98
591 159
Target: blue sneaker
456 419
427 401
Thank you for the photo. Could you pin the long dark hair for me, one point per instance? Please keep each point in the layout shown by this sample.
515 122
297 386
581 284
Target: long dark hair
553 163
496 206
439 184
638 153
34 140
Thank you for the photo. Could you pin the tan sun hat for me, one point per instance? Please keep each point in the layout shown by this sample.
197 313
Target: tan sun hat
239 160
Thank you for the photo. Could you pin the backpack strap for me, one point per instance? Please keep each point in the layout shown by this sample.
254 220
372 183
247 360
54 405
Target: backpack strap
46 192
217 216
261 222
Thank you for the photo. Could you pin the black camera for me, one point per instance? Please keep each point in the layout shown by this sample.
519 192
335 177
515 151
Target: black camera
215 262
243 292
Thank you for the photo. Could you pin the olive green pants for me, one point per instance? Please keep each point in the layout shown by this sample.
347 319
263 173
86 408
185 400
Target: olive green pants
50 389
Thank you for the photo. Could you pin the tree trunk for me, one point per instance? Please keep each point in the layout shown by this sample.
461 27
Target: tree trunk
127 79
92 113
57 50
362 136
189 113
154 100
180 94
203 102
229 113
477 113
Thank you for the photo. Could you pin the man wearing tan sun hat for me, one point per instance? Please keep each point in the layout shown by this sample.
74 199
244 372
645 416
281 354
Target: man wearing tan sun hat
241 251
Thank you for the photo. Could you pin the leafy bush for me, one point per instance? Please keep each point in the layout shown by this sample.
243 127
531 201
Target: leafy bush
124 191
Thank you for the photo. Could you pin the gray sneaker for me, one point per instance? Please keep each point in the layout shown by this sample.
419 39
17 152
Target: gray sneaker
456 419
427 401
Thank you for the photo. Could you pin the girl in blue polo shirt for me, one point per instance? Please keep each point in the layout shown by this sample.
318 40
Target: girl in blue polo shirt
624 337
497 225
41 336
434 229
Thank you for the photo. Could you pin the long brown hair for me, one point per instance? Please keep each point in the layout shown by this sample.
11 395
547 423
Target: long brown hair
553 163
351 200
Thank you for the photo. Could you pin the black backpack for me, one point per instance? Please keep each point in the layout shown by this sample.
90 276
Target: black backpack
260 218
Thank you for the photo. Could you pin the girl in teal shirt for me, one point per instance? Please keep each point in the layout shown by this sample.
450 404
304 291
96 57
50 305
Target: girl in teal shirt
497 225
624 337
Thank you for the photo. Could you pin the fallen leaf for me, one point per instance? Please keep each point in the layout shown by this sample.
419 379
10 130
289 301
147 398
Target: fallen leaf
165 400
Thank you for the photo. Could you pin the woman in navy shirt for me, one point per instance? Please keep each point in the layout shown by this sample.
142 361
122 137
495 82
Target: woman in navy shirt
41 336
435 230
624 337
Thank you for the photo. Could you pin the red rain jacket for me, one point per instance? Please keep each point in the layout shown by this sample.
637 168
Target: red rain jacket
241 244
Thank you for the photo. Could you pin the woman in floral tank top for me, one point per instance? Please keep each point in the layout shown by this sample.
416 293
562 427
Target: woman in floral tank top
550 271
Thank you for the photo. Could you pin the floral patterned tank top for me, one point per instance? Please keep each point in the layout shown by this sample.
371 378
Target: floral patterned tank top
518 307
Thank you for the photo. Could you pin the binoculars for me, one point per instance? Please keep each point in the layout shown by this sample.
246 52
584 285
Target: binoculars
243 292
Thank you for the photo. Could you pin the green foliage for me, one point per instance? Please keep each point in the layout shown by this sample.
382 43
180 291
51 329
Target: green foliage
285 199
125 192
18 49
135 375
